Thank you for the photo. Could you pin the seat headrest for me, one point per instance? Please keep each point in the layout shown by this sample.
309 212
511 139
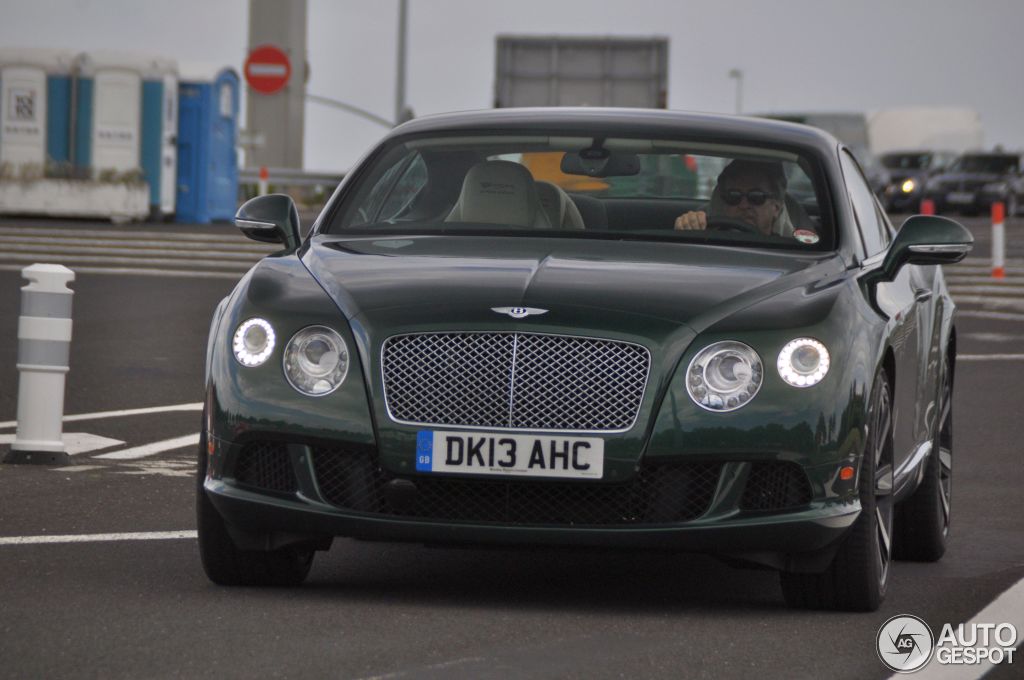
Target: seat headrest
499 192
561 210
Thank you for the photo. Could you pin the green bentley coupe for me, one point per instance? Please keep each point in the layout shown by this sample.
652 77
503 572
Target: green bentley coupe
589 327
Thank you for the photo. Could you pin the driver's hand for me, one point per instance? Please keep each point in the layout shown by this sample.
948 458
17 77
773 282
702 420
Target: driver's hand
695 219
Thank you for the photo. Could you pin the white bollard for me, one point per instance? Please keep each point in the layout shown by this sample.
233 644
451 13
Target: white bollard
44 345
263 186
998 241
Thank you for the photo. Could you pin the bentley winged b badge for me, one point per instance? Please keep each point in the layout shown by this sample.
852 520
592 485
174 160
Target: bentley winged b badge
519 312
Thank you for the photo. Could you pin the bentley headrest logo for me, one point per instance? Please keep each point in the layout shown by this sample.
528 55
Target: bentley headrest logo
519 312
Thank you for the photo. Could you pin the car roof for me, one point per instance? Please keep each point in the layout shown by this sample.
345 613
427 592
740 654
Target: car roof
629 122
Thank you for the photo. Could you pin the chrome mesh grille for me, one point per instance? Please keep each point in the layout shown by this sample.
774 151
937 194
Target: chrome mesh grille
514 380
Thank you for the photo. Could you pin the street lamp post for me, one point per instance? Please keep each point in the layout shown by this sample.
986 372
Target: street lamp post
403 13
737 74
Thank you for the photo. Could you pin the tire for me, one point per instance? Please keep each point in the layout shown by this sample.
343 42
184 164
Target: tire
858 577
923 520
224 563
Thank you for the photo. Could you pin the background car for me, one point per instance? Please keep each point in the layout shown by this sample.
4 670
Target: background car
495 334
909 171
976 180
877 175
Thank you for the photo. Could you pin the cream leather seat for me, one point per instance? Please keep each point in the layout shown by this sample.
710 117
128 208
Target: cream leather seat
561 211
499 192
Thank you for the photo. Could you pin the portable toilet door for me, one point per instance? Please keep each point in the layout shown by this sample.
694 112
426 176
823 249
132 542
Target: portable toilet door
34 109
223 195
109 124
169 145
159 151
191 189
207 160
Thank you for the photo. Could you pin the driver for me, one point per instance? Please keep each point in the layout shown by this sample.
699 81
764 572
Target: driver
747 191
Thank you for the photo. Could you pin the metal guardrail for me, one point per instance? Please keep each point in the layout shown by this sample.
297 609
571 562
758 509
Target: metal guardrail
292 177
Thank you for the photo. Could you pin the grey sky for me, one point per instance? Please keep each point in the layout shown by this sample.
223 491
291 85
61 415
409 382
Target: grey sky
796 54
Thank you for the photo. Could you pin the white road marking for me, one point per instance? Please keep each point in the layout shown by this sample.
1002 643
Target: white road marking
990 357
978 314
129 271
76 442
1007 608
93 538
164 468
198 406
78 468
152 449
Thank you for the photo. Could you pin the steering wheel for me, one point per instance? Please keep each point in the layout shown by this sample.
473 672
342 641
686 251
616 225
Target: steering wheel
729 224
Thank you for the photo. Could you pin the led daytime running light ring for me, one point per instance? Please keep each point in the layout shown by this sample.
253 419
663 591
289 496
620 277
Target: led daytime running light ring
792 373
242 354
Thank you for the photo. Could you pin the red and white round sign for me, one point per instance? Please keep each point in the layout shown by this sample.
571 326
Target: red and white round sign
267 69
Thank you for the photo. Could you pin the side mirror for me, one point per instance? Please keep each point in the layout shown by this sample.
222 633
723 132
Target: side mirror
925 239
271 219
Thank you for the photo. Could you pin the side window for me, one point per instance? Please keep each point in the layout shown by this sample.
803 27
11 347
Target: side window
872 229
393 190
405 189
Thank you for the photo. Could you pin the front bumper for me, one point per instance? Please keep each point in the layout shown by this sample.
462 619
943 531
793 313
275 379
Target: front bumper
800 536
971 201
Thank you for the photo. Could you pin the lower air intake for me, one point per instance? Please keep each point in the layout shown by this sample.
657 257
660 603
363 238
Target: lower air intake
660 494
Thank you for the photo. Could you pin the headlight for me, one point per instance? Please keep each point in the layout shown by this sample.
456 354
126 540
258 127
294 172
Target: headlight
908 186
724 376
253 342
803 362
316 361
995 188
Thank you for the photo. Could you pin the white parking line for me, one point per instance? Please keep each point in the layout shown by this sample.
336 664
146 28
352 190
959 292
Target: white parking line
152 449
990 357
76 442
198 406
93 538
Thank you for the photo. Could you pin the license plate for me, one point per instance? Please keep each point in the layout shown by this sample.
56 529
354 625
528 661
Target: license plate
960 197
509 455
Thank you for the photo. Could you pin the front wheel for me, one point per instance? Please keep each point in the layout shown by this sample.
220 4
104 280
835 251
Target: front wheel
224 563
922 521
858 577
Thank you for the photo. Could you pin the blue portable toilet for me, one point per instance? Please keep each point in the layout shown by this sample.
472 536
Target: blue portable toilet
159 149
207 129
108 112
35 107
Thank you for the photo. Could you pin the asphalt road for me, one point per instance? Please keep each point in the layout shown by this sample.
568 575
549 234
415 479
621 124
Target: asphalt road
145 609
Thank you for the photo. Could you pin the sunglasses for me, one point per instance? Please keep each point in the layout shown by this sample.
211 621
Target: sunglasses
755 197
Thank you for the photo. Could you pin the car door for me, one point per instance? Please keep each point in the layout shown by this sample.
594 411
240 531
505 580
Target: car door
898 302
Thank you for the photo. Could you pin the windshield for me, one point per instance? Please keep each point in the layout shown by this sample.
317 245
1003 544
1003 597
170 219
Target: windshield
907 161
589 187
997 165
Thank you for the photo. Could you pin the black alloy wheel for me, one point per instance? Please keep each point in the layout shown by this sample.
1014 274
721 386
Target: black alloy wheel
858 577
224 563
923 520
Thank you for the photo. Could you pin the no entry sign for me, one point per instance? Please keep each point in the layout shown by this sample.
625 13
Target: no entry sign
267 69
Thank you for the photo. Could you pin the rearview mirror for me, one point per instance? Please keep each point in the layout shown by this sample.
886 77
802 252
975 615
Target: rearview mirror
270 219
926 239
600 162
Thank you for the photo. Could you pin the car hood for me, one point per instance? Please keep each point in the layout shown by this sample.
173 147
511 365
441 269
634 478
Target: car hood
456 281
969 177
905 174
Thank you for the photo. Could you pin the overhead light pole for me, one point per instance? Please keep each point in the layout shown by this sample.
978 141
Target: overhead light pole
737 74
400 111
